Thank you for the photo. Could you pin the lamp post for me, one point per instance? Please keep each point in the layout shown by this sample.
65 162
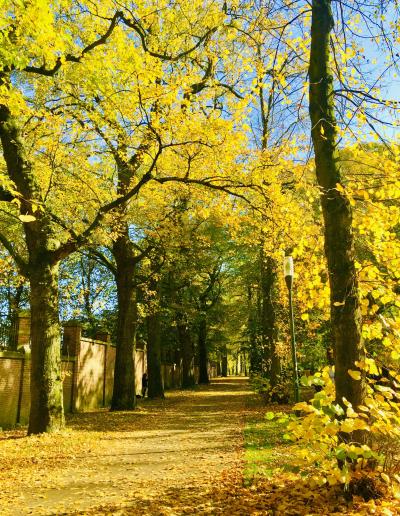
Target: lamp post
288 271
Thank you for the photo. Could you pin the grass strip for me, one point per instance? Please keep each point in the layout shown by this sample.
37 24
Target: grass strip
266 451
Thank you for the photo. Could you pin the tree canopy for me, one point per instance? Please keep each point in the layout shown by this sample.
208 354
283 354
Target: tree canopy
159 160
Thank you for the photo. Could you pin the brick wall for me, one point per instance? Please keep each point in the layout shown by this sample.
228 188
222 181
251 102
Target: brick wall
67 371
109 381
25 392
87 372
10 377
15 369
90 375
95 374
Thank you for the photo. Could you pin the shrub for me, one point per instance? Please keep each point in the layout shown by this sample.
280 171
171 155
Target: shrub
331 460
279 393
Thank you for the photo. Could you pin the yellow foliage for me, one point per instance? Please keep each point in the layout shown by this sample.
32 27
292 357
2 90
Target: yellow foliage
317 431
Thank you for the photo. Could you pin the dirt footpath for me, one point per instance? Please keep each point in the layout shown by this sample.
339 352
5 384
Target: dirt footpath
164 458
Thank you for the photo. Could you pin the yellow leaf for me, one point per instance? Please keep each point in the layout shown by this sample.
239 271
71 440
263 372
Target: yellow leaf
27 218
356 375
347 426
395 355
303 406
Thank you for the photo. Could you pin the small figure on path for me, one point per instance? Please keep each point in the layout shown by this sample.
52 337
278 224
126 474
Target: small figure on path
331 362
145 383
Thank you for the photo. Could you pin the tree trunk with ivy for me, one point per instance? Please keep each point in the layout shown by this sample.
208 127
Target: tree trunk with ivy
46 411
41 268
254 351
337 212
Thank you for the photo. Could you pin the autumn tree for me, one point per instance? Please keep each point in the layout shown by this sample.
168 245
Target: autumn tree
336 206
47 63
55 68
32 57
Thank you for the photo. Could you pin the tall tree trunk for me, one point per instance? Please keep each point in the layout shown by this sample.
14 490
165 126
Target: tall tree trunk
254 352
186 347
46 411
245 364
203 351
124 395
156 388
268 317
337 213
224 364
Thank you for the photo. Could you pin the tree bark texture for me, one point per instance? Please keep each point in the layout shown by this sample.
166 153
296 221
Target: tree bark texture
124 395
187 352
254 352
41 267
156 387
202 350
46 411
224 362
337 212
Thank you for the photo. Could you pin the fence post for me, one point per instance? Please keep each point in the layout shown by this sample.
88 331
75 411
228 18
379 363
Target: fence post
23 329
72 337
26 356
105 337
72 347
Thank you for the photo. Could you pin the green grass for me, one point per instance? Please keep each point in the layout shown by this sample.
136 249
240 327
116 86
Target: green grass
265 449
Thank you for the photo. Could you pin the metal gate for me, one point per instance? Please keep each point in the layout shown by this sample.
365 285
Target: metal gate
8 332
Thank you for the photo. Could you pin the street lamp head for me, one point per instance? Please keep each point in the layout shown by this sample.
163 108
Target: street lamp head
288 270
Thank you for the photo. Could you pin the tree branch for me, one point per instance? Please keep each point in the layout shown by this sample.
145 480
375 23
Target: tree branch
42 70
73 244
21 263
103 260
135 25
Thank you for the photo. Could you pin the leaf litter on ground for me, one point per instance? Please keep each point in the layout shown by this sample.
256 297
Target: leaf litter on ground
167 458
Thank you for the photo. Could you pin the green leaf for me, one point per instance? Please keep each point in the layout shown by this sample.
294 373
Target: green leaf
341 454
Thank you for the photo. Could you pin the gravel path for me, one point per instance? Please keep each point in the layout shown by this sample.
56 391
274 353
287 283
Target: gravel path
164 458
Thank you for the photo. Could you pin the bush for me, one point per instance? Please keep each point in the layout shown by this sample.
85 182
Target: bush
279 393
342 461
261 385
